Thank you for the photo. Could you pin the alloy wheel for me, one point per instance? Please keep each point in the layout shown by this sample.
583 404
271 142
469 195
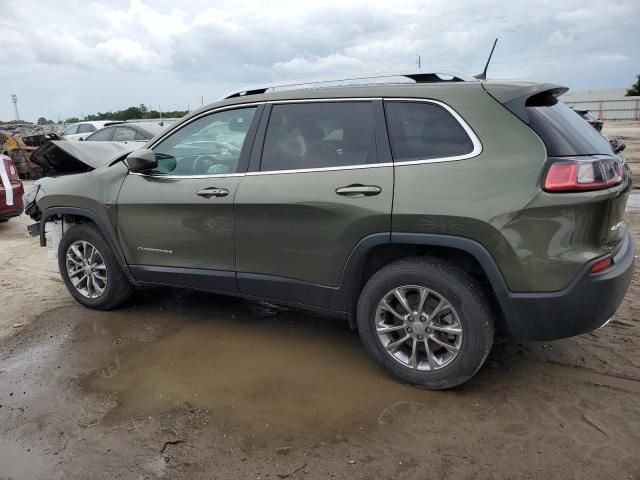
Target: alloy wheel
418 327
86 269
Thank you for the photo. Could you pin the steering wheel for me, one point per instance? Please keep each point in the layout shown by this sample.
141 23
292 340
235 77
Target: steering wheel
202 164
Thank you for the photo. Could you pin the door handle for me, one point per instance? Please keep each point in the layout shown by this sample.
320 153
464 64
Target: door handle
357 191
212 192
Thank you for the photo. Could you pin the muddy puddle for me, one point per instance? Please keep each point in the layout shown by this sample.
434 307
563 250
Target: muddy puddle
258 364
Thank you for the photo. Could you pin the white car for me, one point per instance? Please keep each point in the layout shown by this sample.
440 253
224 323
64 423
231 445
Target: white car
81 130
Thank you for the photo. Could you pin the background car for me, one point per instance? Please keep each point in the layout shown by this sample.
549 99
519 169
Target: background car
128 132
81 130
11 190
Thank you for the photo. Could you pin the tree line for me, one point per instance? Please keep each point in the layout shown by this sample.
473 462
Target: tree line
141 111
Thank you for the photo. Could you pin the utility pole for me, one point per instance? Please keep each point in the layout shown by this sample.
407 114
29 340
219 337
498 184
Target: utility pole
160 111
419 62
202 101
14 99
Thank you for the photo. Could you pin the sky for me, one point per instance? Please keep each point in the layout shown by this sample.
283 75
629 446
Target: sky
73 58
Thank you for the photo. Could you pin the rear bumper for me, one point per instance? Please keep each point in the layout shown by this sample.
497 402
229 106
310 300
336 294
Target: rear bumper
585 305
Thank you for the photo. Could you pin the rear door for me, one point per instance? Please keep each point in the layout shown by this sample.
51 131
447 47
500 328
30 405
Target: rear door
180 216
320 182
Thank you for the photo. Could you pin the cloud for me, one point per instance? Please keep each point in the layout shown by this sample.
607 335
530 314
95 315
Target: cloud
153 51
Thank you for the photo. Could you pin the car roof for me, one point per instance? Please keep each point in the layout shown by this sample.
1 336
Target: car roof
504 89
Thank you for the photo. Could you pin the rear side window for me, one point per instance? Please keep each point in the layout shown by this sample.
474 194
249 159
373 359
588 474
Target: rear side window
72 130
565 133
319 135
423 130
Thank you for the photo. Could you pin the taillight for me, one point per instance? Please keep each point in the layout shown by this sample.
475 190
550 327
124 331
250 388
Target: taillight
13 172
601 265
579 175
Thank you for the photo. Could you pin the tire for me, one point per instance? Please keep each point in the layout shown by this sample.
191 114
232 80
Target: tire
116 288
469 323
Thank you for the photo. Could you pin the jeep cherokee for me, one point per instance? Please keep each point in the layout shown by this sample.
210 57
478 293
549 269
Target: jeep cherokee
426 210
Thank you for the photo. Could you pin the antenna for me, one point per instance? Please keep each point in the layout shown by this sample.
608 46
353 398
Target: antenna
483 75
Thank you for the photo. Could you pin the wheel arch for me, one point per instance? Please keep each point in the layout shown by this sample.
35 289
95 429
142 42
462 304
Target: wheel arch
375 251
85 215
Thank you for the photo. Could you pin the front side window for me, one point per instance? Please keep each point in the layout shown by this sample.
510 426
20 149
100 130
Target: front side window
319 135
101 135
72 130
424 130
86 128
207 146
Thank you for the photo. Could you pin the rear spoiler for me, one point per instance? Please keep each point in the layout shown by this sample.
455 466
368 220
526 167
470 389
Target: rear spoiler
515 97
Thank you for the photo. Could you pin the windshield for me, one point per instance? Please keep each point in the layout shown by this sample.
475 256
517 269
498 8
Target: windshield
565 133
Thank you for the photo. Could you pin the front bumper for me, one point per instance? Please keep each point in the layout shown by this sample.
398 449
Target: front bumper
585 305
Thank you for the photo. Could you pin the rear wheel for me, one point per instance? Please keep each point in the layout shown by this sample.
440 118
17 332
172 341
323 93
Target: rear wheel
90 270
426 321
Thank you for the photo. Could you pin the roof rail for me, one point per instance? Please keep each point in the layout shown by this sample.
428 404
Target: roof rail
419 76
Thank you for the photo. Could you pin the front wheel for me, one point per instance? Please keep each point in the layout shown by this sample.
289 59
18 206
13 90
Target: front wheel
90 270
426 322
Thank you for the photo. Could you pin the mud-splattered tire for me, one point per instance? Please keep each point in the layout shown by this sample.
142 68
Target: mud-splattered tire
90 270
441 312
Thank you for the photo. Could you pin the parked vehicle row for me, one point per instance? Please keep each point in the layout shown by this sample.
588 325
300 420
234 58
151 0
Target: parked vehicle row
116 131
427 214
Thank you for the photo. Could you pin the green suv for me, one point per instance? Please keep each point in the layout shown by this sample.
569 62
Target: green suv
426 210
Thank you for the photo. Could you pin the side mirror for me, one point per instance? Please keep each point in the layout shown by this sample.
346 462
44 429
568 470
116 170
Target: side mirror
142 160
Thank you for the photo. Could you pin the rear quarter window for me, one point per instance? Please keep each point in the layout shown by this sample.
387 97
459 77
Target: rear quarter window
424 130
565 133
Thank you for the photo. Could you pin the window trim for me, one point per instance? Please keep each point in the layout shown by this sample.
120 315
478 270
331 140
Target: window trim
477 144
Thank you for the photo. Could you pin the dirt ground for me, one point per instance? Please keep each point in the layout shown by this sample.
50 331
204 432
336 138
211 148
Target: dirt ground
186 385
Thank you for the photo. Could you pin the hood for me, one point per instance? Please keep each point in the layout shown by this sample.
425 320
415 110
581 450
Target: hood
62 157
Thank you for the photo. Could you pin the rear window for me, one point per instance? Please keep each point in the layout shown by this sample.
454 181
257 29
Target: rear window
565 133
423 130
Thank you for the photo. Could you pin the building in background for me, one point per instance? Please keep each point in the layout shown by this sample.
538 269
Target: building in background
605 104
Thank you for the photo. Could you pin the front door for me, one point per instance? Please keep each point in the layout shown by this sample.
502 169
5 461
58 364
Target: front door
324 182
179 218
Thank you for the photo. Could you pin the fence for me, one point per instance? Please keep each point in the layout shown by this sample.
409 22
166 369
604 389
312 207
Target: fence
624 108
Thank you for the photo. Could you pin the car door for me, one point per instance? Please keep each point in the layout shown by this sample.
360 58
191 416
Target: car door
176 222
320 181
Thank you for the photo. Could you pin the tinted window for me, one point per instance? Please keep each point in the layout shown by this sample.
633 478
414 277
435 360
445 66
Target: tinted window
318 135
101 135
72 130
207 146
86 128
140 136
565 133
124 134
421 130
